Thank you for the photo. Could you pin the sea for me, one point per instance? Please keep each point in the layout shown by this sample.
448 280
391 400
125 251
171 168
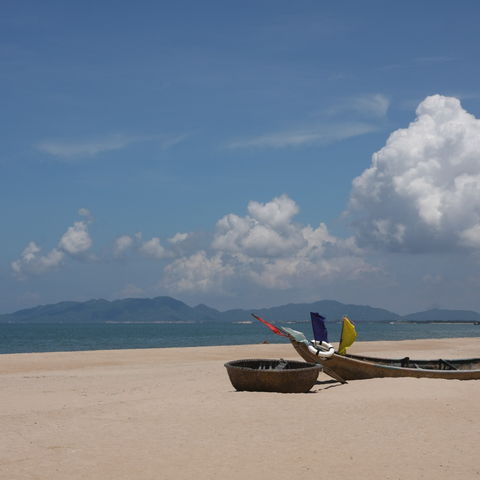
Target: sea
55 337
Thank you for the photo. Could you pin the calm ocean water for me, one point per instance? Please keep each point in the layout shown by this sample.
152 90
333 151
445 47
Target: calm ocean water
23 338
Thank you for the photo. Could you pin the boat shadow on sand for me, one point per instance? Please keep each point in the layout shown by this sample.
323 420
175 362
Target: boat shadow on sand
326 384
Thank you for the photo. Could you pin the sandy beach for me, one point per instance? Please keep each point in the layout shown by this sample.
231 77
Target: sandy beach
173 414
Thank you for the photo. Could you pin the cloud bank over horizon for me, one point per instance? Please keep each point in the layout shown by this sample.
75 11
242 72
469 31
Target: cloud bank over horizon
421 194
266 248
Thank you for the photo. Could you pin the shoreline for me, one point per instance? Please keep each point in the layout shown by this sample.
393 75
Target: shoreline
355 348
172 413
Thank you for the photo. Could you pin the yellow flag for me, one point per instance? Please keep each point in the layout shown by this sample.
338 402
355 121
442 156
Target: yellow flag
349 334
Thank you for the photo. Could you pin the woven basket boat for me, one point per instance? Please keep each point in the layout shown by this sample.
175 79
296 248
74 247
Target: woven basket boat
265 375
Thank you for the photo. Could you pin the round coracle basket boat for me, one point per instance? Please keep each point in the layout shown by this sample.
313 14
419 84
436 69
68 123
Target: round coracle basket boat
264 375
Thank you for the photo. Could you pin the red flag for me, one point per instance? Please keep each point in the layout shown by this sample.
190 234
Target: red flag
273 328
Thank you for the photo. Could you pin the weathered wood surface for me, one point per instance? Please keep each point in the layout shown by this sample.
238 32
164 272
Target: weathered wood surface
356 367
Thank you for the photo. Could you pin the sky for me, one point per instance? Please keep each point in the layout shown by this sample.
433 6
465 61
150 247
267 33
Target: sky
240 154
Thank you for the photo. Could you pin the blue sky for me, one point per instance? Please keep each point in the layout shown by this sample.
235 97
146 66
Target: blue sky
206 150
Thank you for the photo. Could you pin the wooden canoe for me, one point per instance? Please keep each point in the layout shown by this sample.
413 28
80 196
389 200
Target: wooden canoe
358 367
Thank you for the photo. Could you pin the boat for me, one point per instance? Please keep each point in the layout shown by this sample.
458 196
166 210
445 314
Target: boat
266 375
342 366
358 367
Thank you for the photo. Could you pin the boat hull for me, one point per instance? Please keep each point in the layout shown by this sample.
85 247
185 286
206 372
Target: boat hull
265 375
354 367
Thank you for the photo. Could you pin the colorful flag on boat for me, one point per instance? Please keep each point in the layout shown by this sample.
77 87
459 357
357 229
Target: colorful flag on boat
272 327
320 333
349 334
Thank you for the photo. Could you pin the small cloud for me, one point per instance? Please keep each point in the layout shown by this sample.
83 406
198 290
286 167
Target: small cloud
371 105
76 239
376 105
87 148
153 248
70 150
178 238
85 212
122 244
32 262
74 242
320 135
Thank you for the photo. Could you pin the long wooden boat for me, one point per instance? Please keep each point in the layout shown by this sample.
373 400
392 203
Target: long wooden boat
357 367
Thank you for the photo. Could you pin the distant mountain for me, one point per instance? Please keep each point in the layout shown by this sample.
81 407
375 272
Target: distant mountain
443 315
150 310
168 309
332 310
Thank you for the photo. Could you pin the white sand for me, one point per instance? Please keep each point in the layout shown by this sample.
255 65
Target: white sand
173 414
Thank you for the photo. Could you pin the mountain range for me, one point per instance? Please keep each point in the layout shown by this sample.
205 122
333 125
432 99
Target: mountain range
168 309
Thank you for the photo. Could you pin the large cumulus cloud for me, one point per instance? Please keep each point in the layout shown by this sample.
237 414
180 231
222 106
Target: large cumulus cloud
267 230
268 249
422 190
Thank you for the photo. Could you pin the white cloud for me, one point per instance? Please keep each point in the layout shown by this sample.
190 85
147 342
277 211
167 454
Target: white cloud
74 242
368 105
179 238
266 248
153 248
89 148
376 104
422 190
198 272
267 231
184 244
278 213
362 113
180 245
321 135
76 239
470 237
122 244
70 149
303 271
322 257
31 261
85 212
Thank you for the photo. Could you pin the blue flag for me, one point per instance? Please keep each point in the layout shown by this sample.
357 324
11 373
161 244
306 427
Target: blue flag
320 333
